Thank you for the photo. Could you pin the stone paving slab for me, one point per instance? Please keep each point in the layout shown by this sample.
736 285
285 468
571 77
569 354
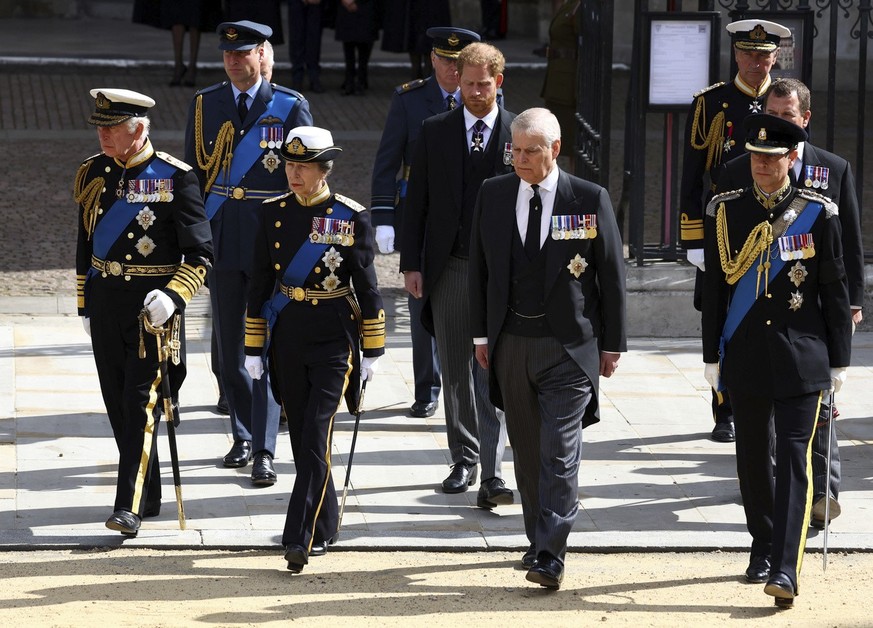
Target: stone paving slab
651 479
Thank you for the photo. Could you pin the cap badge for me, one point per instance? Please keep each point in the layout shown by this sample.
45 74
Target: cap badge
762 134
231 34
758 33
102 101
296 147
453 40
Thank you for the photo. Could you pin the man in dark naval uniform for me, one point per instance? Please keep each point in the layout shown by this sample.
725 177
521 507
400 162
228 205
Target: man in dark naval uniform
777 336
311 248
411 104
144 241
455 152
235 130
712 133
547 307
831 176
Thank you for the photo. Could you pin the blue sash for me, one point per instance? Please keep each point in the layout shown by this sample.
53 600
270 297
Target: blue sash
299 267
748 290
116 219
247 152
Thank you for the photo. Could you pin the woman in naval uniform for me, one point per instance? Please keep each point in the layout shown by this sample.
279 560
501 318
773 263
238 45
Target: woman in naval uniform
311 248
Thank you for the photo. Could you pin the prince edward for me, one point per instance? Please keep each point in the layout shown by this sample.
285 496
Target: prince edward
547 304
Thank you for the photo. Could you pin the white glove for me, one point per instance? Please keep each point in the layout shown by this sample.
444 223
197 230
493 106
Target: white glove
368 369
385 238
255 366
710 374
86 323
160 306
838 378
695 256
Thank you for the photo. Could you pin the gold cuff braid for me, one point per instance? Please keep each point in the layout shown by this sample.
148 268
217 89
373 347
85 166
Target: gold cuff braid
187 280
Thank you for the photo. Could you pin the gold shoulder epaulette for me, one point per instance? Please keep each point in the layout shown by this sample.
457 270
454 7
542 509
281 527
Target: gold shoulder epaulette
181 165
352 204
718 199
408 87
706 89
276 198
830 207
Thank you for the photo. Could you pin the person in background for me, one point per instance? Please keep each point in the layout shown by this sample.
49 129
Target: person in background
454 153
304 43
404 29
559 86
411 104
712 135
241 121
180 17
357 26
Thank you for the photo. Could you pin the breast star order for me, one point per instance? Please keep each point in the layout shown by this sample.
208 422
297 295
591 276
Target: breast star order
577 266
797 274
795 301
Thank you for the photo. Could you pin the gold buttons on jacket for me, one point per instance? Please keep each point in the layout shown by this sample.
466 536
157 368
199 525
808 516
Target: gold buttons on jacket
317 270
278 224
277 267
314 301
329 210
768 322
128 257
276 244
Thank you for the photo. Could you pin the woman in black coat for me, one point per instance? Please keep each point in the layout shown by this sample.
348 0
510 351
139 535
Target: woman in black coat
357 26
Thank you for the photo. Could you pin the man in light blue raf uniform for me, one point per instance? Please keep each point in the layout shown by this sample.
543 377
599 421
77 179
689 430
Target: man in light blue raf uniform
235 130
411 104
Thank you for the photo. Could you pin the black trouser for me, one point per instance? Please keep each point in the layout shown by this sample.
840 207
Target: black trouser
776 505
131 390
311 366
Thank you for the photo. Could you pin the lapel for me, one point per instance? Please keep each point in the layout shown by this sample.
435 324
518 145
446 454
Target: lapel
227 106
498 228
454 145
564 204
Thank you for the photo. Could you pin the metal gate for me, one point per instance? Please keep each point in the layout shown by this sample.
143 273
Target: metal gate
838 18
594 90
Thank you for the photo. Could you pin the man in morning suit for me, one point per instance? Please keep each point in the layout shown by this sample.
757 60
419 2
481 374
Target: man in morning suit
144 242
831 176
411 104
235 130
712 133
455 152
777 333
547 306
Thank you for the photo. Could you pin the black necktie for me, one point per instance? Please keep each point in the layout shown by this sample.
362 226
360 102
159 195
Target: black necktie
451 103
242 107
534 218
477 144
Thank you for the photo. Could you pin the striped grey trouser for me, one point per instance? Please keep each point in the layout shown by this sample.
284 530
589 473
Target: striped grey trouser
545 394
476 430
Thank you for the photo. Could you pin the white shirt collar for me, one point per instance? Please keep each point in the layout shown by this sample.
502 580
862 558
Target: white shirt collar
251 91
489 119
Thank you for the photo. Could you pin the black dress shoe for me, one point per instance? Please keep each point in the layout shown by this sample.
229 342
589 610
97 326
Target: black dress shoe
423 409
530 557
263 473
125 522
758 570
297 556
152 509
547 571
239 455
724 433
780 587
461 477
221 407
817 516
319 548
493 493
